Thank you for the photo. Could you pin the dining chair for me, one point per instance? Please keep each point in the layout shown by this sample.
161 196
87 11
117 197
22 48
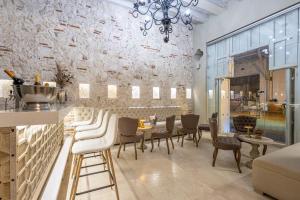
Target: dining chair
224 143
205 127
240 122
128 133
189 126
166 134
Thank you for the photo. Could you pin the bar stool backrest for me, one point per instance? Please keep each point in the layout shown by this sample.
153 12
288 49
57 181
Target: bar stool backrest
112 130
99 118
105 121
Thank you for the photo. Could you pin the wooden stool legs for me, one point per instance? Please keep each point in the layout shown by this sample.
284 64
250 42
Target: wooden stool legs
107 158
76 177
113 173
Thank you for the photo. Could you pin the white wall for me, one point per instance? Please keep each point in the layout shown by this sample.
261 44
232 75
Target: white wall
237 15
99 43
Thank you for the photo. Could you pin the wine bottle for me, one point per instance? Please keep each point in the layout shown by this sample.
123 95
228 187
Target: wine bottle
11 74
37 79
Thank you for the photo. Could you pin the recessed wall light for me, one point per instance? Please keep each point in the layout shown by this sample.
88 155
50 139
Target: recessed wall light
112 91
173 93
135 92
84 91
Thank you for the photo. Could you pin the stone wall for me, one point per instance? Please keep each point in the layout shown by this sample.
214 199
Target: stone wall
100 43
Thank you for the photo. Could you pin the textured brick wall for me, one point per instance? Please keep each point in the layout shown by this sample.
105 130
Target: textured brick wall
100 43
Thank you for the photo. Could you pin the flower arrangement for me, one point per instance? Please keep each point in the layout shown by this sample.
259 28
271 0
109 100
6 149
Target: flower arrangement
153 119
63 77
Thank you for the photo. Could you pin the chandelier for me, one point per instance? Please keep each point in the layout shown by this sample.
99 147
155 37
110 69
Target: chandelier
164 13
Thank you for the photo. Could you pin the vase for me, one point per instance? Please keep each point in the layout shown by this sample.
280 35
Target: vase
62 96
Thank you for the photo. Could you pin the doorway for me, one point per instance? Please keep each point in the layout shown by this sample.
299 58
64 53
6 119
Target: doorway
256 91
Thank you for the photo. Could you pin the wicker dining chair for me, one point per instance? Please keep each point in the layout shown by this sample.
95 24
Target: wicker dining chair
240 122
167 134
205 127
189 126
224 143
128 133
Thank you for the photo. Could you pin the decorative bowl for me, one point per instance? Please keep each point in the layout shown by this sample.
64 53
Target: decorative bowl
36 97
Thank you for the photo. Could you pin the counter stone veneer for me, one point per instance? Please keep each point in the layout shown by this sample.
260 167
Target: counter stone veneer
100 43
28 150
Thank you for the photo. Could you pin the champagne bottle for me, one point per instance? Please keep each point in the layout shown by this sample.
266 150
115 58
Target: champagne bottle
11 74
37 79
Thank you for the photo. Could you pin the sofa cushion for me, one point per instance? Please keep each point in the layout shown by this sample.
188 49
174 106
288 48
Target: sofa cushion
285 161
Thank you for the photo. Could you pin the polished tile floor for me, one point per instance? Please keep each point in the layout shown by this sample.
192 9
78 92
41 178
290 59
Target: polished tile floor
185 174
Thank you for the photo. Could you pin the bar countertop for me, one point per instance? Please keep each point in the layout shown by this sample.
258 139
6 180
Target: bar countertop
9 118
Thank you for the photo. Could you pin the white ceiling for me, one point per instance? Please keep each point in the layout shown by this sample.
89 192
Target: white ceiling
201 12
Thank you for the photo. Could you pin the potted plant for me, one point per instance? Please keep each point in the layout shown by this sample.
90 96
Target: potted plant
62 78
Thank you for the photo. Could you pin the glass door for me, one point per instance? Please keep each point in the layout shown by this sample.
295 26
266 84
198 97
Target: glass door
279 113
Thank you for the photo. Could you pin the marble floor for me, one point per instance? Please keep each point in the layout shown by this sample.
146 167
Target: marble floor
185 174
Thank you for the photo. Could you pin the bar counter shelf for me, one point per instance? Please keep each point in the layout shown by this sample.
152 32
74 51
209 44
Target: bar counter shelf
30 142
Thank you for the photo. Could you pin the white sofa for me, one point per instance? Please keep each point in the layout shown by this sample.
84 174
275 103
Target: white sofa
278 173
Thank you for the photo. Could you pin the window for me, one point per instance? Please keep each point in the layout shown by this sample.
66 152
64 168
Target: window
50 84
156 93
210 94
84 91
112 91
173 93
135 92
188 93
5 87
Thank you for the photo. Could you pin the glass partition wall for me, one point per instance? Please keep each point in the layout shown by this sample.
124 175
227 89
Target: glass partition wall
256 73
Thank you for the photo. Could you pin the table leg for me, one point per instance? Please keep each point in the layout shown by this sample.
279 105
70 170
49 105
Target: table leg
265 149
140 147
254 153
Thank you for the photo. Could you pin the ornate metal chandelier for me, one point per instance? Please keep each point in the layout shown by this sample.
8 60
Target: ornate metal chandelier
164 13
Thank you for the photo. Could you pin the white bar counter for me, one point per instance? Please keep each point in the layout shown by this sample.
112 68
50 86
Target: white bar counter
30 144
20 117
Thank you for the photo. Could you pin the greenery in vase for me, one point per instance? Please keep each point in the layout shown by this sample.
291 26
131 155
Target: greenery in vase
63 77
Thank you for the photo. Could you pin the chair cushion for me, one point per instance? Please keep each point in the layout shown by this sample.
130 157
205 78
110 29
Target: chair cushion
91 134
128 139
87 127
81 123
228 143
162 124
162 134
89 146
187 131
204 127
285 161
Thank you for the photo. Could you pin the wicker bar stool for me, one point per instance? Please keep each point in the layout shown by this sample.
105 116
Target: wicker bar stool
96 145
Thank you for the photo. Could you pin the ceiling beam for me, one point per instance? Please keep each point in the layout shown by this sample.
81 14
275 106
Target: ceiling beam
198 16
208 7
221 3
